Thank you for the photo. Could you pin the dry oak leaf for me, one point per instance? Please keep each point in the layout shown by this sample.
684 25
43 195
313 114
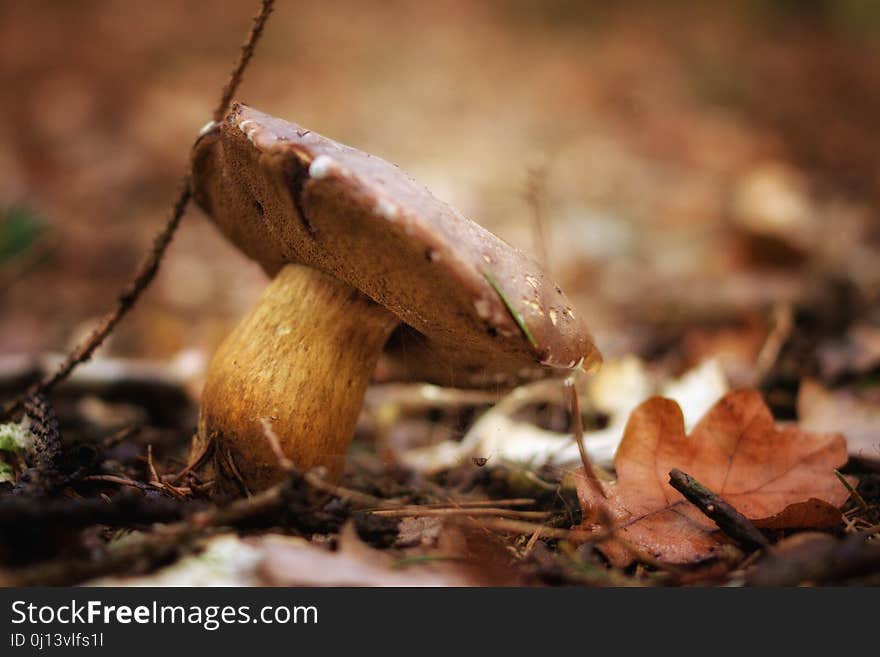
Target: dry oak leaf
777 477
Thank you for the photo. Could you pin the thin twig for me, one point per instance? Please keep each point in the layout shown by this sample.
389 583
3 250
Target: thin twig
530 528
577 420
275 444
154 475
146 272
232 467
121 481
728 519
852 491
530 545
207 450
601 512
316 480
452 511
244 58
315 477
470 504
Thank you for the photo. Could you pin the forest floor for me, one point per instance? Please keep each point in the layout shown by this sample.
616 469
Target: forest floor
703 183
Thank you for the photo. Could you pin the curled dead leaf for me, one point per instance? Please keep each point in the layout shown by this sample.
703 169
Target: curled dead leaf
777 477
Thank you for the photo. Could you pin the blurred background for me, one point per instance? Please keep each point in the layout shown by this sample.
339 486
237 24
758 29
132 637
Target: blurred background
684 169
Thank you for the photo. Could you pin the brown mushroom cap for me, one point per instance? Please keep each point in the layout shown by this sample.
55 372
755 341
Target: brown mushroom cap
476 311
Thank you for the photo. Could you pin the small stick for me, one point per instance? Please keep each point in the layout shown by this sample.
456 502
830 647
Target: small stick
275 444
315 480
531 528
207 450
154 475
602 513
852 491
471 504
146 272
530 545
728 519
475 512
115 479
313 477
578 432
521 527
514 501
244 58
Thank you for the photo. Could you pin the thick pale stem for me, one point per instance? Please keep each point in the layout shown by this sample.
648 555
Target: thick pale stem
301 359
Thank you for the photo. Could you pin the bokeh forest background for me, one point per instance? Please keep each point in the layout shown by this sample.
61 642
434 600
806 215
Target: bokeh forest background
693 162
701 178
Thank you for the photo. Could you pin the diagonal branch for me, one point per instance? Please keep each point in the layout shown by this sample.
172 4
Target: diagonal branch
244 58
728 519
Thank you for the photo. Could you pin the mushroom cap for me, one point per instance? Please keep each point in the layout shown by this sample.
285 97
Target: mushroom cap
474 310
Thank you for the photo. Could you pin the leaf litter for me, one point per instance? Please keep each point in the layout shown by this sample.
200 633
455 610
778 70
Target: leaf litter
779 477
767 239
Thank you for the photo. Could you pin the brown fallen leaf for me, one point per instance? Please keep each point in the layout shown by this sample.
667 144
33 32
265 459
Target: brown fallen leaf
777 477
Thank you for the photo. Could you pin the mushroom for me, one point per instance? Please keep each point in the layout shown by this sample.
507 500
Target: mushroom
355 249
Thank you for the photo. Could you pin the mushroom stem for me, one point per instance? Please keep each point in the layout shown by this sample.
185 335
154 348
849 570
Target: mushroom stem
302 359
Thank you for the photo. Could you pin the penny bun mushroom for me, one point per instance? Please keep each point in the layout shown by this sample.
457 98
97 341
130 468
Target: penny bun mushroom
355 249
